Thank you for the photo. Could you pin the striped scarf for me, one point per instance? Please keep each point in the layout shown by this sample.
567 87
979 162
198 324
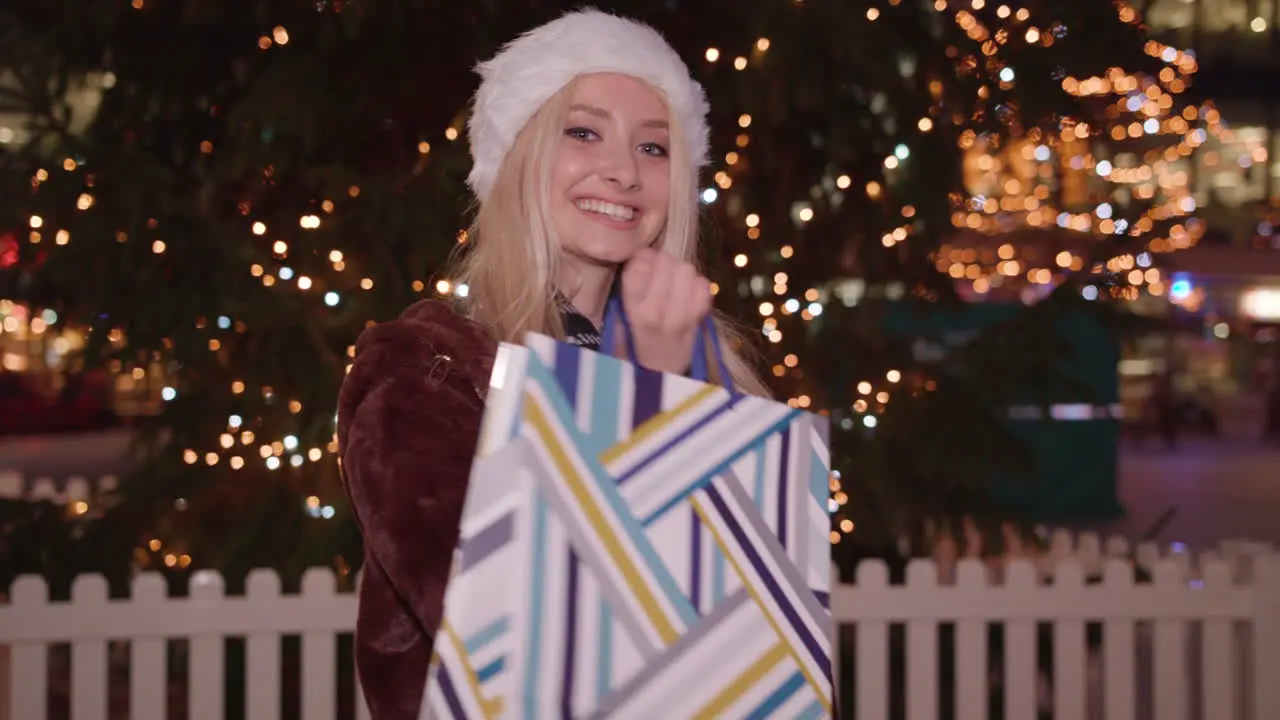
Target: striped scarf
578 328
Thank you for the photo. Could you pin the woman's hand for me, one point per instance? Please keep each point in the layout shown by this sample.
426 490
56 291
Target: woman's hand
665 300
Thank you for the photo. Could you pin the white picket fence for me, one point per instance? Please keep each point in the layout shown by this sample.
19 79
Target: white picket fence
1201 641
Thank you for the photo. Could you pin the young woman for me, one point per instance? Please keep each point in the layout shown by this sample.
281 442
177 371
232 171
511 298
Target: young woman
587 138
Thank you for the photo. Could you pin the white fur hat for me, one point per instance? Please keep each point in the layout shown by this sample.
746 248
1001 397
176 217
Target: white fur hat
536 65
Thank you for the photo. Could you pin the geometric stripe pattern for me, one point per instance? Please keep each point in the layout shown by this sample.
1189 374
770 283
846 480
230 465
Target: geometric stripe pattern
636 544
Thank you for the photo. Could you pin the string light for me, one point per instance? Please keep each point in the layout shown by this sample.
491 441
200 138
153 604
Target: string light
1141 106
1014 181
1134 106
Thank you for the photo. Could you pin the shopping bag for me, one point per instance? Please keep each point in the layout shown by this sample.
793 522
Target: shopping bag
636 545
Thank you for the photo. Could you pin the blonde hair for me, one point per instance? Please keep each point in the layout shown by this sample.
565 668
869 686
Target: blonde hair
512 257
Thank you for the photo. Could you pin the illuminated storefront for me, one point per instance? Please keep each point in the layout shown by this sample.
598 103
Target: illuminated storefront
1208 291
1234 41
37 349
1217 335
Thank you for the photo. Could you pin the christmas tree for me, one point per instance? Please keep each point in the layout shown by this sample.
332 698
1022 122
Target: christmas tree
220 196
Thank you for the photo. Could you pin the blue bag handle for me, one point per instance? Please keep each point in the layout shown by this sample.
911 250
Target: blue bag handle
615 316
698 368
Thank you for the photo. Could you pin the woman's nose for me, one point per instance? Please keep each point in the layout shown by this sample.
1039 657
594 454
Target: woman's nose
621 169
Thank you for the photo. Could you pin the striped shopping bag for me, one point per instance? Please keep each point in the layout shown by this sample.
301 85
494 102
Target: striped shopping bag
636 545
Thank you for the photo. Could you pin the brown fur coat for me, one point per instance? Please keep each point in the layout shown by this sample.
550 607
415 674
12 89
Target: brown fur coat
408 423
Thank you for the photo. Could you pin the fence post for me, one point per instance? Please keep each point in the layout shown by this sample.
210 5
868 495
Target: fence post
5 681
1266 634
29 660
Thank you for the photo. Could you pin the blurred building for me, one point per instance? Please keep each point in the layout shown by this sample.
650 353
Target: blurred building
1203 156
45 387
1237 44
1224 315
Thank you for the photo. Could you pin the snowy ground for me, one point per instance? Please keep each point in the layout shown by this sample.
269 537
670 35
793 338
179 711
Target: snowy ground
1222 489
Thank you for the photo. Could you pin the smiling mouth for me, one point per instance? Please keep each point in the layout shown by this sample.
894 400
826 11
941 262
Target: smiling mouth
610 210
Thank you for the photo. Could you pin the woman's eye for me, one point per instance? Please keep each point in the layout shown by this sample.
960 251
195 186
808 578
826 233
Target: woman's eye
580 133
653 149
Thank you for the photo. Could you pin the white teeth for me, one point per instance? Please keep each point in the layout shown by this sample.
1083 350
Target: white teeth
618 212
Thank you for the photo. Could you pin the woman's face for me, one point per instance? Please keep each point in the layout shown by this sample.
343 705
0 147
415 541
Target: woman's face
610 180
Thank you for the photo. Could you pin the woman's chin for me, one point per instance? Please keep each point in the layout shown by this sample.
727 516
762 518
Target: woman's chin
610 256
610 260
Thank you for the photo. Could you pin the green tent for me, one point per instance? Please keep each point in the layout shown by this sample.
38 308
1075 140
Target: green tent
1069 418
